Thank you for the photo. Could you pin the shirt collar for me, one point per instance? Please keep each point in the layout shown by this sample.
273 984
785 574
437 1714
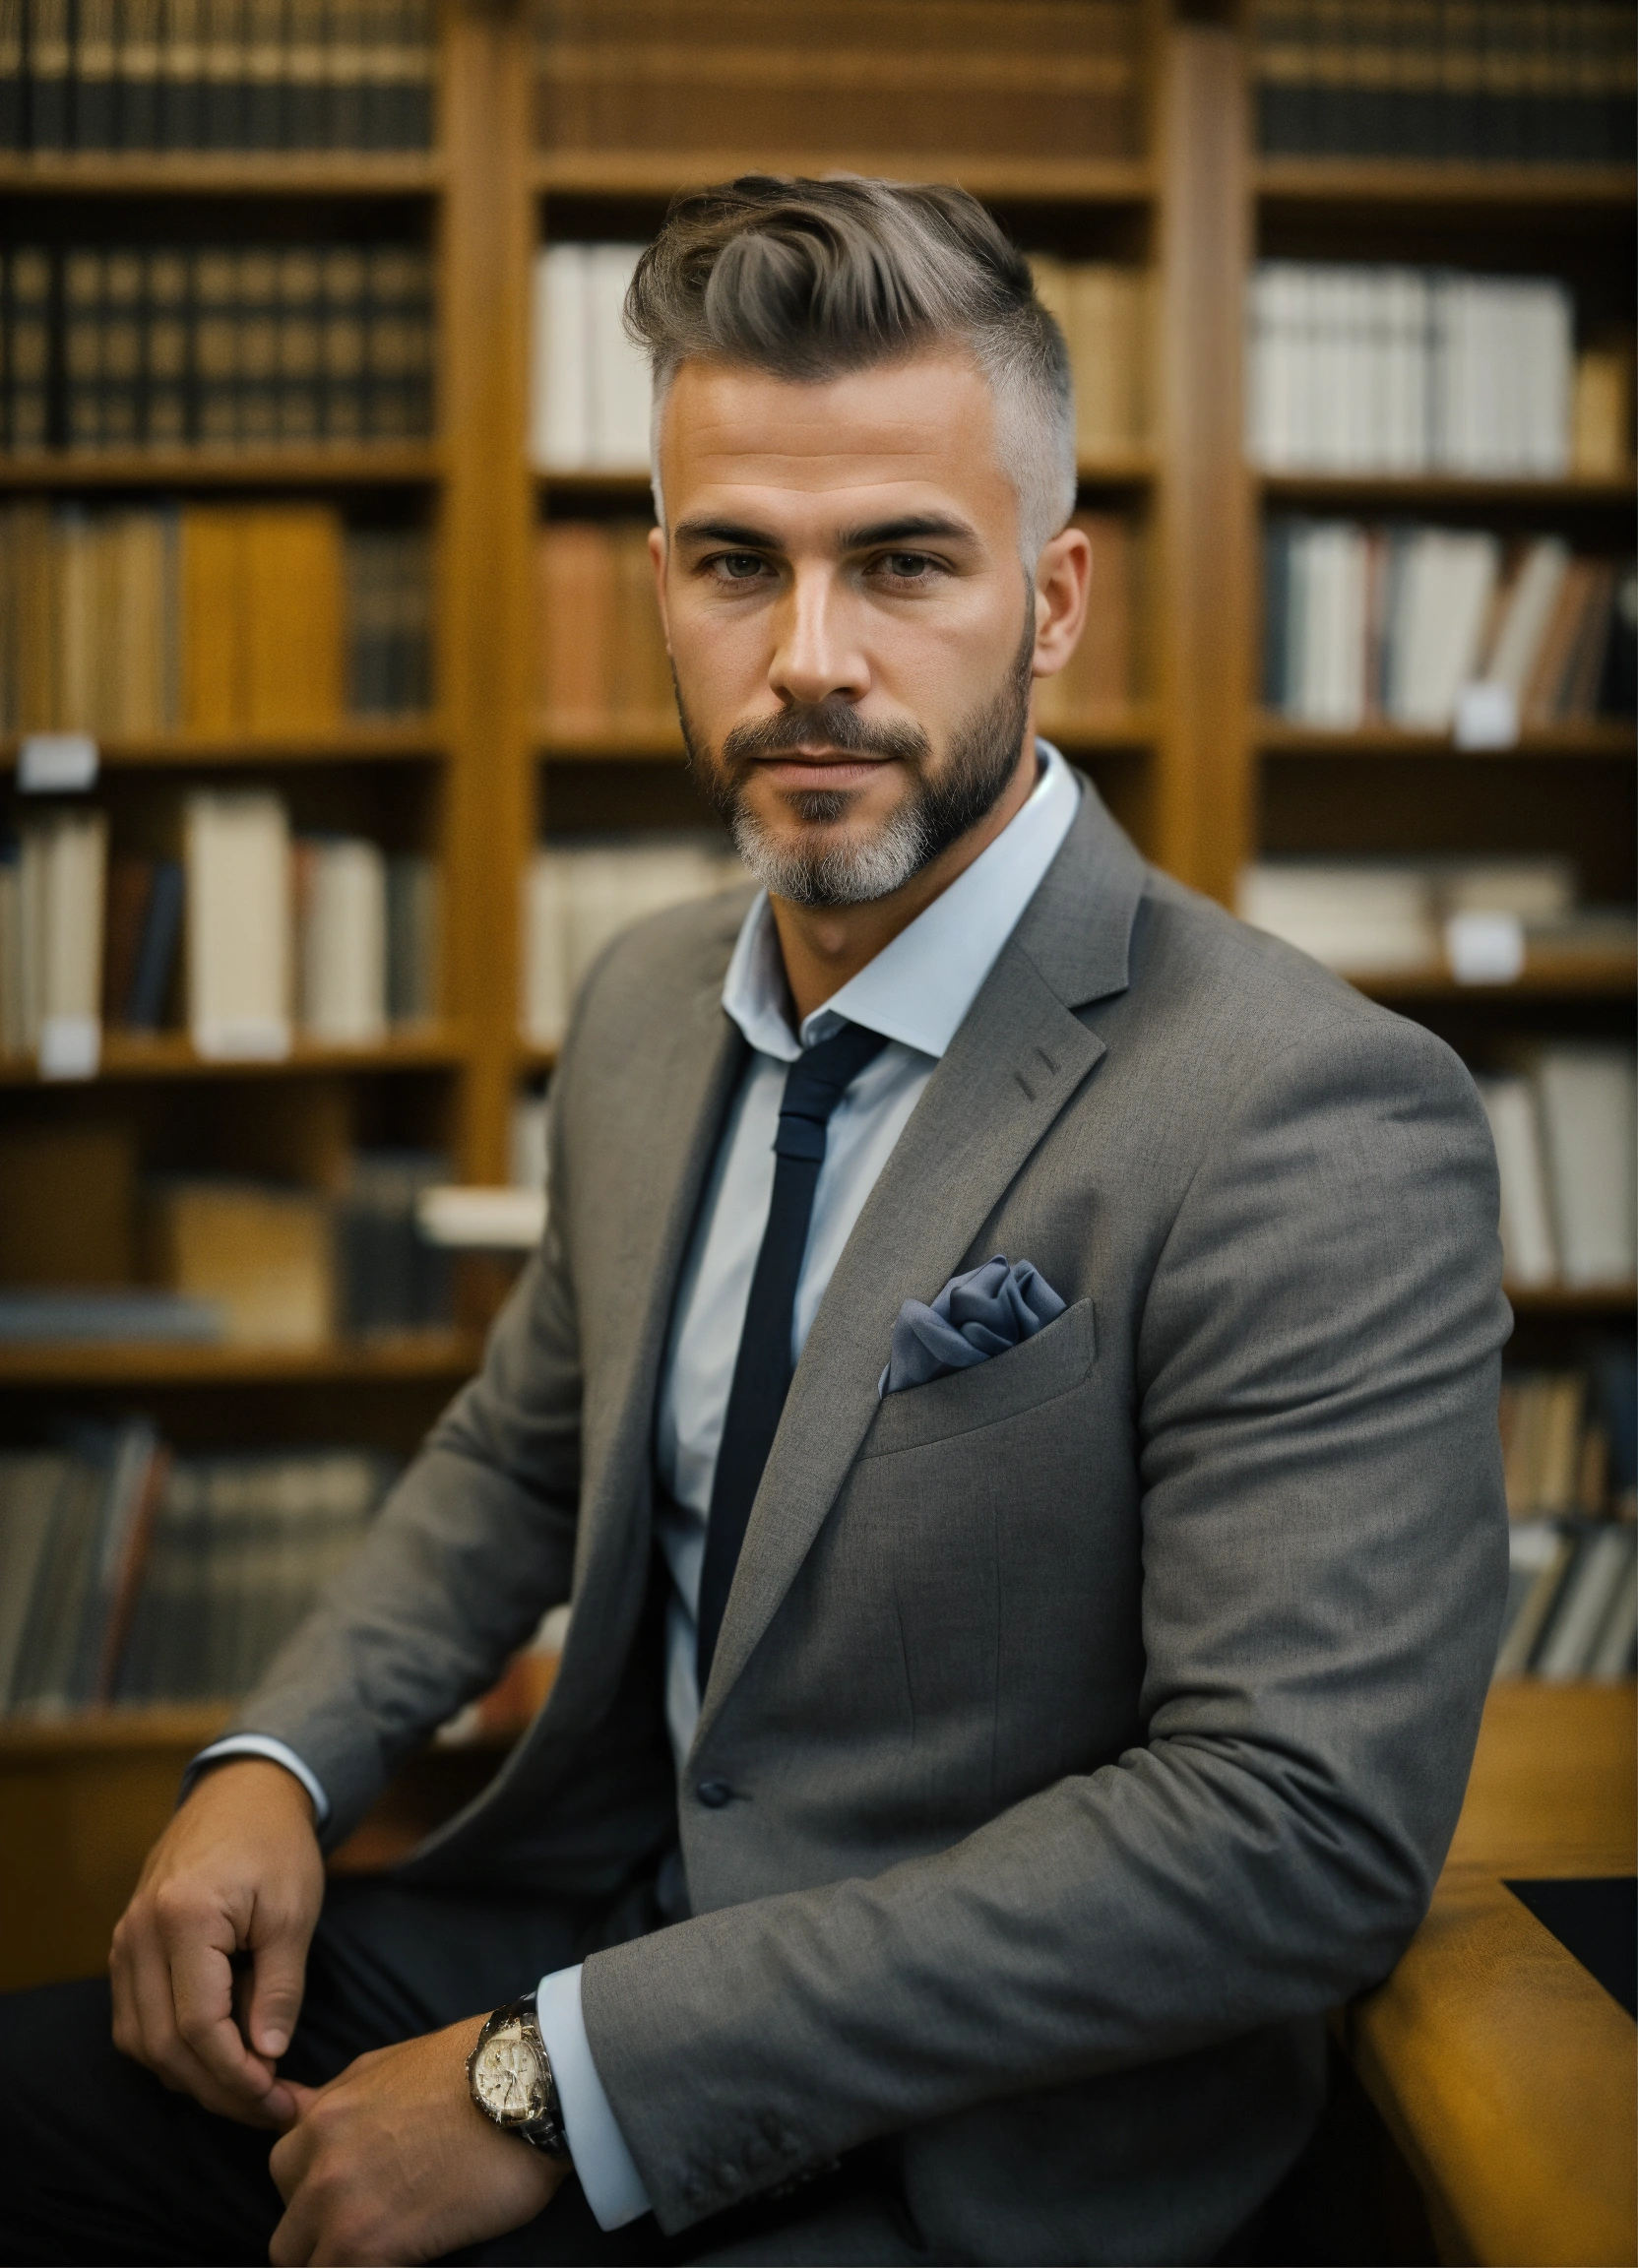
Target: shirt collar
918 988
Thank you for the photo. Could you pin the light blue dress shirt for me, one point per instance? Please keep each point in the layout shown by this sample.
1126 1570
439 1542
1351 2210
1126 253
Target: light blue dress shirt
917 992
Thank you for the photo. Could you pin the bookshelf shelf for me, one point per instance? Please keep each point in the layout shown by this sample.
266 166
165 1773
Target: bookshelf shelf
1122 469
172 1056
1434 491
218 173
642 738
184 1727
352 743
415 1356
1548 974
375 465
1573 1298
1596 736
1391 182
657 172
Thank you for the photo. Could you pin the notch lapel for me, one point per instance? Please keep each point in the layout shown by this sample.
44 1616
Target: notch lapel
1019 1056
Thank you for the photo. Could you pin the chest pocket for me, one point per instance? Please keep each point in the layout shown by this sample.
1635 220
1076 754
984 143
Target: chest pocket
1056 1361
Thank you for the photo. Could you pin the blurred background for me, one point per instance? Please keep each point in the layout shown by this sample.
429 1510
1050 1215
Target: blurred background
336 731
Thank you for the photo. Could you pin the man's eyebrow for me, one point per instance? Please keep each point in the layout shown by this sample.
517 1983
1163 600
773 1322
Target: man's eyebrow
903 530
727 532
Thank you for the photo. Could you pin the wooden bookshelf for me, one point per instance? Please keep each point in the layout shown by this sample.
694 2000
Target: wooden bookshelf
1446 492
1395 185
1110 181
361 742
410 1359
130 1055
218 174
1597 737
339 465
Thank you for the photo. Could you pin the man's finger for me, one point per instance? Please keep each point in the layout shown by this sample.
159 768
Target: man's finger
167 2054
276 1992
202 1997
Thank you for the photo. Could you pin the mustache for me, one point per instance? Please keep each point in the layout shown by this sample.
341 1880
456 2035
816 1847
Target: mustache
830 724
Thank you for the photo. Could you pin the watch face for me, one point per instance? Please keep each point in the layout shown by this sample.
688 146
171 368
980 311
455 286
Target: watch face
508 2077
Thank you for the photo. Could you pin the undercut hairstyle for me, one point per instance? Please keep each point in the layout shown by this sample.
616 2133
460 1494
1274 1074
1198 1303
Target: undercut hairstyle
811 280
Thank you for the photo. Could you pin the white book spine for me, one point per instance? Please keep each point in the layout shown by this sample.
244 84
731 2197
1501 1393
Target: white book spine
239 923
619 387
560 409
1529 1253
343 944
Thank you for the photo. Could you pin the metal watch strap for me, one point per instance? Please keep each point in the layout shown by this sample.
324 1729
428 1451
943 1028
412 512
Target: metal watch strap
545 2133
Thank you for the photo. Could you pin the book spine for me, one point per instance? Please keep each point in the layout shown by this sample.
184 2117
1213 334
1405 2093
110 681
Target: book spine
13 68
224 74
94 75
265 53
302 115
181 108
50 57
82 347
137 85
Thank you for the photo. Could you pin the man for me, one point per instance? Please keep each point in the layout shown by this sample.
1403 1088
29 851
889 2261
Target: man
998 1716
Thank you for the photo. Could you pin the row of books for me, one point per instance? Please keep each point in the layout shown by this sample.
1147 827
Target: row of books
215 74
843 78
1572 1602
1504 80
220 347
233 929
208 618
1365 623
1370 369
1107 315
1563 1125
1381 916
220 1258
1567 1440
132 1575
601 652
576 898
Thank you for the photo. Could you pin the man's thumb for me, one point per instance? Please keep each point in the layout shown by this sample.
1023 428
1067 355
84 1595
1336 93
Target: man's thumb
276 1997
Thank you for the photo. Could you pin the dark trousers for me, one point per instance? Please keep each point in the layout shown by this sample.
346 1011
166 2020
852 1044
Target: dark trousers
100 2162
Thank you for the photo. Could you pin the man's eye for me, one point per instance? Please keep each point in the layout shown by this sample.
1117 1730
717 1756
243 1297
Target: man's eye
739 566
908 566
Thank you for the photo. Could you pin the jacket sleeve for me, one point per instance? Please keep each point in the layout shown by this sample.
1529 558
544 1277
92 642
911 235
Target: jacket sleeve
472 1547
1324 1548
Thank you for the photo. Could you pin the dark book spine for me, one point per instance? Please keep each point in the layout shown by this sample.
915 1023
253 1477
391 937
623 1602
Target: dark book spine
50 36
342 376
82 318
123 287
300 410
265 50
1275 614
155 963
166 420
345 75
137 123
304 112
13 123
181 81
224 74
415 121
94 75
257 423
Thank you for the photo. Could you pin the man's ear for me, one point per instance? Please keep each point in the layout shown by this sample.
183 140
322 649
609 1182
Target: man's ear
1064 576
657 554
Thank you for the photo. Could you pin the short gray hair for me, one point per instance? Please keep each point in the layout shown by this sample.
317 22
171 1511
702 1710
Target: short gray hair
807 279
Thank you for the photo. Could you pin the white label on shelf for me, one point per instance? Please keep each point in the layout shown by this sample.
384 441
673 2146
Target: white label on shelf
243 1038
1484 948
56 764
1486 717
70 1047
483 1220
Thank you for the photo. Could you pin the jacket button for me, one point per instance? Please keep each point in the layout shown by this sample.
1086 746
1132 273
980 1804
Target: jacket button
714 1794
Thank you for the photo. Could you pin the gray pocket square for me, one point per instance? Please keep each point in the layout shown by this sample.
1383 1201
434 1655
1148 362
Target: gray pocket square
976 1315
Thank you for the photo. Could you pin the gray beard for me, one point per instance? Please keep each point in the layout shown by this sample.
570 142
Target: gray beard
936 812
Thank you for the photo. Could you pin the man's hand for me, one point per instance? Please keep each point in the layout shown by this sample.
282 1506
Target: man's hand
395 2161
238 1871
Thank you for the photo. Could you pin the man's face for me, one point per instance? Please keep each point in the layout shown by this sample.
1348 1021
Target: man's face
849 621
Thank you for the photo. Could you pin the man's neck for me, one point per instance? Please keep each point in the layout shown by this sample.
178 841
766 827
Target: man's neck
824 946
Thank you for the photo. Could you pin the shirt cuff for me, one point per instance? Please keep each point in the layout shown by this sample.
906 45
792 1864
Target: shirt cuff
607 2170
275 1752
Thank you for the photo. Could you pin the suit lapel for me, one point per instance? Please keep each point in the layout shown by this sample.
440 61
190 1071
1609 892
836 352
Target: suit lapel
1015 1062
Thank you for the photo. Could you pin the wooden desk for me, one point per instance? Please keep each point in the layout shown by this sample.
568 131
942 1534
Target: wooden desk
1507 2076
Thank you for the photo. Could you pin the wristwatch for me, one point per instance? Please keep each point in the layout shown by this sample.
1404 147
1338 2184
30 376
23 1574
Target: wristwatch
510 2075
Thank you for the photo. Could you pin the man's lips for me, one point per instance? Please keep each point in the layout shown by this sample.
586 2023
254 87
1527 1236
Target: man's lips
819 767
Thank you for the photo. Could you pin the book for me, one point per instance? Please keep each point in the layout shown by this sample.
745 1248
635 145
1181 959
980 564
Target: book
390 1278
341 887
1586 1094
414 938
1538 1556
575 901
1350 915
1099 674
260 1251
1589 1592
124 1317
31 1481
590 386
61 896
1385 369
237 862
1529 1252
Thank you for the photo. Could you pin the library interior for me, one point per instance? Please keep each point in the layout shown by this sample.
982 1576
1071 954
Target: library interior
337 739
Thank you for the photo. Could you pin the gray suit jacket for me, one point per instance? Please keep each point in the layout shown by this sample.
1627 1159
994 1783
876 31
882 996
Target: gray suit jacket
1097 1717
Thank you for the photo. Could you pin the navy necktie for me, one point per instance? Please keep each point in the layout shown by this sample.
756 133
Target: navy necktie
814 1085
